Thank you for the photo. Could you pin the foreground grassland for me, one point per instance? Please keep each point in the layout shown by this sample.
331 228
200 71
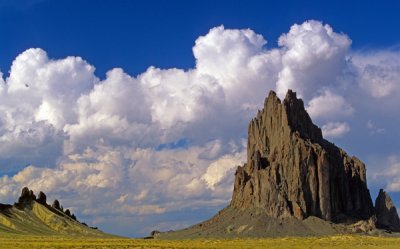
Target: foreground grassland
29 242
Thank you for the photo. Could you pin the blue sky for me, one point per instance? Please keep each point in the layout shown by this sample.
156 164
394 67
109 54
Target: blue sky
136 34
134 113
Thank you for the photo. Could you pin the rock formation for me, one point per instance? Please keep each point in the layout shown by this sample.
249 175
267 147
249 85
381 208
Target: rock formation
56 205
42 199
33 216
295 183
386 213
27 196
292 171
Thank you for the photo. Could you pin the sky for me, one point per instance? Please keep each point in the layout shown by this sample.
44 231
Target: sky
134 114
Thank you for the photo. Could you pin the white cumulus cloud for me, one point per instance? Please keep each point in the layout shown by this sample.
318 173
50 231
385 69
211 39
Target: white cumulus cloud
329 106
169 139
313 55
390 175
335 129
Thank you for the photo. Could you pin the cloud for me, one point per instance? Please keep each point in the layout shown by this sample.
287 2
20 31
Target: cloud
37 99
373 129
313 55
223 168
128 181
47 84
169 139
329 106
336 129
222 50
378 72
390 176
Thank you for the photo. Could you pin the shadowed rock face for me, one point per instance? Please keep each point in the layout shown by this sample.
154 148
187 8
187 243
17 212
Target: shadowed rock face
292 171
386 212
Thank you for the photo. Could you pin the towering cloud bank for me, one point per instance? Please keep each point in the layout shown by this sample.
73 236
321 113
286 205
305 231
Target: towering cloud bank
130 143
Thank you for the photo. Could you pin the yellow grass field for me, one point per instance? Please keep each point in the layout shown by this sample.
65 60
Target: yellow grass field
345 241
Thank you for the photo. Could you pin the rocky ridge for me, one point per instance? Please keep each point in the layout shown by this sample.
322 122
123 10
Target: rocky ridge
32 215
27 197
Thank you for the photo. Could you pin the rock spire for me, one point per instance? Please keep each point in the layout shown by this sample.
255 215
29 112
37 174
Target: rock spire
292 170
386 213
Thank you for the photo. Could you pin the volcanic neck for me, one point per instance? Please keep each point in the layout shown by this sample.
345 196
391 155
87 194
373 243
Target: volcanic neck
292 171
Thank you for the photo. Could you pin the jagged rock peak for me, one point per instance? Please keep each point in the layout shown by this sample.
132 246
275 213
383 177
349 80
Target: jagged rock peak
298 118
292 171
293 114
386 212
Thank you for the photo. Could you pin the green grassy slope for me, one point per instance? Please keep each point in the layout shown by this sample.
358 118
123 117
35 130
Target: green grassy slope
37 219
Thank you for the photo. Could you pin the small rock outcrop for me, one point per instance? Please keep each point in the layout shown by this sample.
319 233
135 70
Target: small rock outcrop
386 213
42 199
73 216
292 171
56 205
27 196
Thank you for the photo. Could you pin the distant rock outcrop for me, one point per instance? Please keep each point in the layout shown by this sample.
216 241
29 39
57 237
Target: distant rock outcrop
33 216
56 205
27 196
386 213
292 171
42 199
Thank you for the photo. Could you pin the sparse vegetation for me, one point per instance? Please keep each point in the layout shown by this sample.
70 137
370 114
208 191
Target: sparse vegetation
345 241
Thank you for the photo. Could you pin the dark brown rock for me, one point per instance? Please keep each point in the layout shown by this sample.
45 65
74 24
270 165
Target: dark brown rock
26 198
386 213
42 199
292 171
56 205
5 208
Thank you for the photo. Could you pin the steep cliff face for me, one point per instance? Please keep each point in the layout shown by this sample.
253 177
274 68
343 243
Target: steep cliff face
292 171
